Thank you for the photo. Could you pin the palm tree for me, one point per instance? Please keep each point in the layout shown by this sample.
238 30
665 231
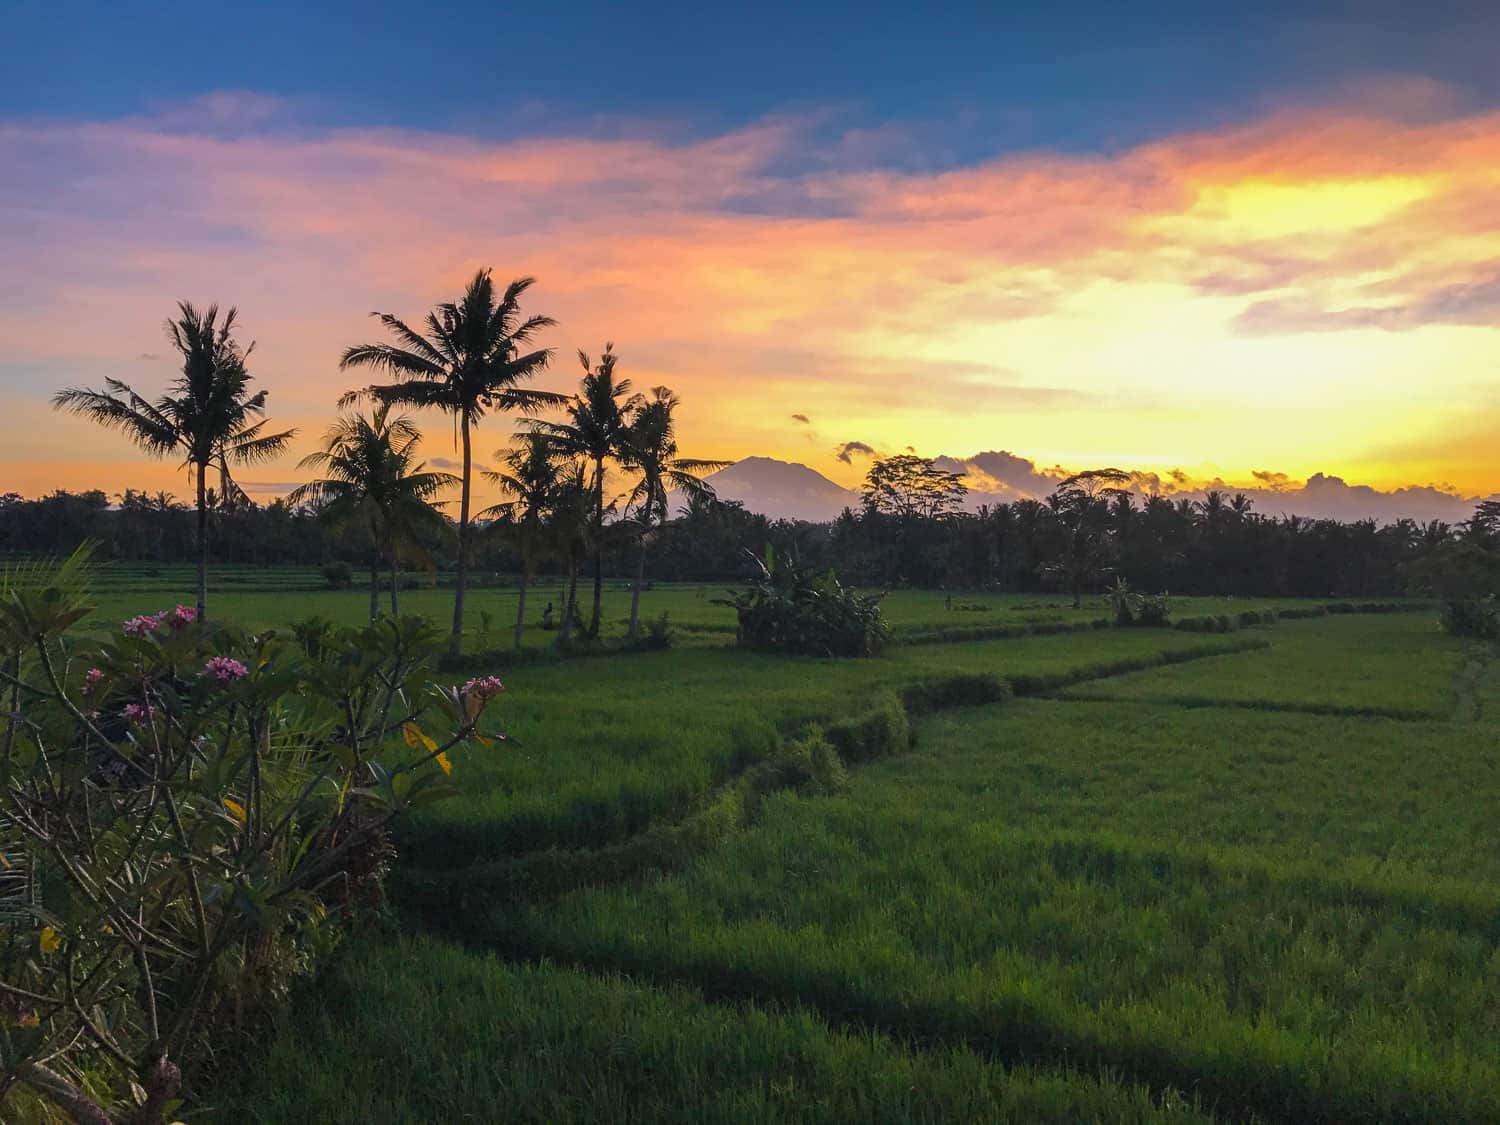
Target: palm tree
374 482
599 418
650 448
570 523
468 362
1081 507
208 414
531 477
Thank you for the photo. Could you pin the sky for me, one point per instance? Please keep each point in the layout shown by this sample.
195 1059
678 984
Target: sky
1241 242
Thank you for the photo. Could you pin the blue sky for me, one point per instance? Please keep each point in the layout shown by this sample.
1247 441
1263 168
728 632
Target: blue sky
991 78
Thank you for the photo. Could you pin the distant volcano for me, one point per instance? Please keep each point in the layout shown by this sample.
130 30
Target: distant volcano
788 490
783 489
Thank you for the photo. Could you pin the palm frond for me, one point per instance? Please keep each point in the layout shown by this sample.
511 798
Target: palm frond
393 360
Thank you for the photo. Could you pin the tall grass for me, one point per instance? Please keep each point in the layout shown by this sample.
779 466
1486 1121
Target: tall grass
1396 665
1294 915
414 1031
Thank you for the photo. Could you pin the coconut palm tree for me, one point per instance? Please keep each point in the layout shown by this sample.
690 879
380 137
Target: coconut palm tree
650 448
599 417
208 415
571 523
1081 507
375 483
468 361
531 478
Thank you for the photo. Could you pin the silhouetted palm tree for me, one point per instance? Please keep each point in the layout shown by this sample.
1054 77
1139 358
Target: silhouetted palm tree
374 482
208 415
650 448
1212 509
570 523
1081 506
468 362
598 418
531 478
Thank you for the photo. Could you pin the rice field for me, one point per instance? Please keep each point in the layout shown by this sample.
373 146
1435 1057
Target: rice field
1072 874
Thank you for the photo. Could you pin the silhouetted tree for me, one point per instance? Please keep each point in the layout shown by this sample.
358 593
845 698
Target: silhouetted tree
531 477
650 448
599 416
208 414
468 362
374 482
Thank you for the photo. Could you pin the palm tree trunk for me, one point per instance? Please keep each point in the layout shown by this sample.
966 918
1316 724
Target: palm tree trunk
521 605
635 593
202 544
570 603
395 582
374 584
455 642
598 545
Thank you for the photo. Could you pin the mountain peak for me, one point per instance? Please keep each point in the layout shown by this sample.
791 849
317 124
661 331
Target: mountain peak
783 489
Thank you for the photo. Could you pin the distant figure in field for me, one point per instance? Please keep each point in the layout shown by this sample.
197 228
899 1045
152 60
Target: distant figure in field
547 616
948 602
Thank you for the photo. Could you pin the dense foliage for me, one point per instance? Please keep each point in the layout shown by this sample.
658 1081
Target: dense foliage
790 607
180 811
1133 608
1209 548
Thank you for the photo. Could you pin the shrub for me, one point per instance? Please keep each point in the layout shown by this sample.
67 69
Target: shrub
789 607
1136 609
185 814
339 575
1472 617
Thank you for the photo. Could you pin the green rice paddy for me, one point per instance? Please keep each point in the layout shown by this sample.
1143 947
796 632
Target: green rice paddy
1094 875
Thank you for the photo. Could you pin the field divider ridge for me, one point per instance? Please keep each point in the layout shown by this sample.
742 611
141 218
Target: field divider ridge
811 759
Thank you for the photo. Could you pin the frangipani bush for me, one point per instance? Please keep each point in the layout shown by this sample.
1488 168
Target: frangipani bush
179 812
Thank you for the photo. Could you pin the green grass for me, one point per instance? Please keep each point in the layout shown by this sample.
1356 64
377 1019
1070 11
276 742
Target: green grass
955 913
271 597
1259 867
1369 798
1397 664
415 1031
604 747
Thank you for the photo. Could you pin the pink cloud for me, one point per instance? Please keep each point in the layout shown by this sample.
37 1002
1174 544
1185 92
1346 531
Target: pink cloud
722 264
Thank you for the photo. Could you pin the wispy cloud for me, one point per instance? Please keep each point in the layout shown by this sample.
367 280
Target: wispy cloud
1207 299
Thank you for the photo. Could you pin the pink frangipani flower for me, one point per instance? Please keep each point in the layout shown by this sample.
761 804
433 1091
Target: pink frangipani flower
180 618
140 625
483 687
224 670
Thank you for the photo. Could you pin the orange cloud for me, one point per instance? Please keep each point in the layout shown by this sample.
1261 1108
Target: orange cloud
1314 290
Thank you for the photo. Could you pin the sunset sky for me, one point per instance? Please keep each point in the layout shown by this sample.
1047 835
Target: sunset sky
1221 242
